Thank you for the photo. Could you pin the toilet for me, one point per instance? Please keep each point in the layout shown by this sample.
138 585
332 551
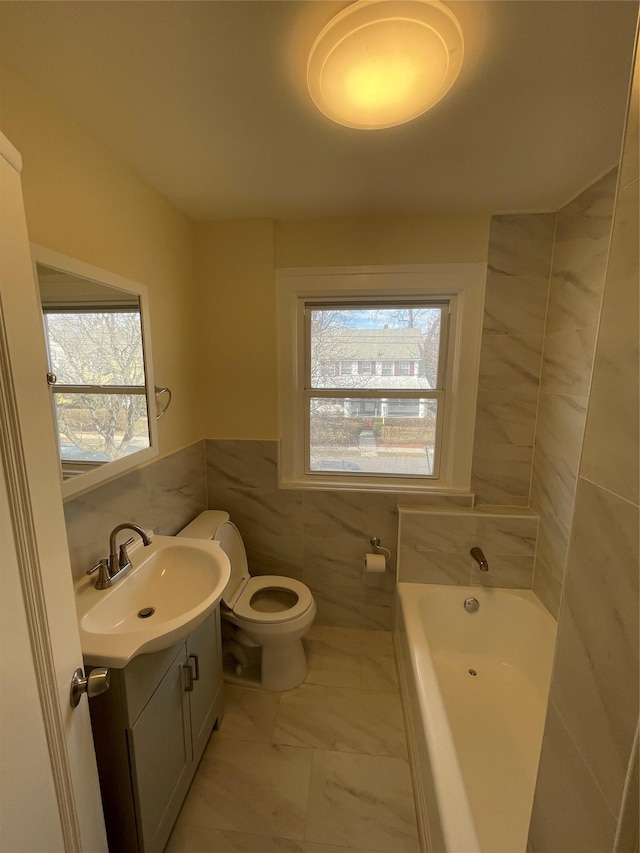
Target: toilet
268 614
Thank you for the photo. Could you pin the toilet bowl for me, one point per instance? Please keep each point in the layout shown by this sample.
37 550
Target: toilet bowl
271 612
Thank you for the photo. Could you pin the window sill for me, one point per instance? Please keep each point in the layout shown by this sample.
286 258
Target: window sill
386 486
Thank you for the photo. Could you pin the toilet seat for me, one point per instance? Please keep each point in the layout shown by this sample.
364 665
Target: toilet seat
241 587
243 609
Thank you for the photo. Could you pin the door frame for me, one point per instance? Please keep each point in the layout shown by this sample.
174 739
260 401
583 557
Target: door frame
29 458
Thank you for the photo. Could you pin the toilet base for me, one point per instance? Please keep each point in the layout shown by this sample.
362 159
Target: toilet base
276 668
248 677
283 667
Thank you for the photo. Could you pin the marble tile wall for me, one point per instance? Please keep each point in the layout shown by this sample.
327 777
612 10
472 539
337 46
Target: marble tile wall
319 537
628 832
519 262
434 546
588 747
580 251
162 497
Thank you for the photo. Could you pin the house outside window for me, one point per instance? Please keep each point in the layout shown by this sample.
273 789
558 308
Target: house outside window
386 426
402 416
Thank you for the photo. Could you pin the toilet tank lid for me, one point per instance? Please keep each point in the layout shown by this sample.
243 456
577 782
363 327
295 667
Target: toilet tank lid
205 525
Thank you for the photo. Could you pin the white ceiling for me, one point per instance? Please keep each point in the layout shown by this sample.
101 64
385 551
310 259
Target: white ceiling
207 102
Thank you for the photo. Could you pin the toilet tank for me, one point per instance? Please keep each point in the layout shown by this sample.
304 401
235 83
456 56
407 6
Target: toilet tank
216 524
205 525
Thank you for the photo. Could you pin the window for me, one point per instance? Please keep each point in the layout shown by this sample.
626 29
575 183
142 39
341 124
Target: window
402 416
99 388
383 425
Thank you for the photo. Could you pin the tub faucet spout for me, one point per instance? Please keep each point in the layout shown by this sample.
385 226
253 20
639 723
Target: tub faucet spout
480 559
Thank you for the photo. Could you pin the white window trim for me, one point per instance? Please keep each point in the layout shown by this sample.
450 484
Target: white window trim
97 475
463 285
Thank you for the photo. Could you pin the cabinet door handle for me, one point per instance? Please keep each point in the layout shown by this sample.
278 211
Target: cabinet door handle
196 667
186 668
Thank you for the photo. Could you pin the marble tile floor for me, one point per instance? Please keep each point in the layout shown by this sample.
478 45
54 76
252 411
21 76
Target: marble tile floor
319 769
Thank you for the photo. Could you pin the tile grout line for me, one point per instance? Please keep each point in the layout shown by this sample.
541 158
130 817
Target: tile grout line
306 812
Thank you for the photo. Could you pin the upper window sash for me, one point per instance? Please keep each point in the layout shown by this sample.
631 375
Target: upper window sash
369 367
60 363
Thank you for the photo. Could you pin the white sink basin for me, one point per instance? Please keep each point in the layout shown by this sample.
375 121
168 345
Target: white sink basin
181 580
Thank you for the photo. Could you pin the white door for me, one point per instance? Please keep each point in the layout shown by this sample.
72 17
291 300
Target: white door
50 798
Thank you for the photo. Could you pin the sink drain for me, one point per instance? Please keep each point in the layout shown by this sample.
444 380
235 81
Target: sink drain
472 672
146 612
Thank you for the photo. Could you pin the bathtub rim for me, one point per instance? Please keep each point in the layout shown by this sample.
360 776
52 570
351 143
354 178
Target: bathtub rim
455 822
409 617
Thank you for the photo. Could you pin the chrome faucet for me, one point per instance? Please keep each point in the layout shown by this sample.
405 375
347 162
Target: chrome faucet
118 562
480 559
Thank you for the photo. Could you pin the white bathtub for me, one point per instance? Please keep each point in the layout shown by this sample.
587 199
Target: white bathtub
474 689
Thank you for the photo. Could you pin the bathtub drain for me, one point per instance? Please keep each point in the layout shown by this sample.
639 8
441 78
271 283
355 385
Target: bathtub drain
472 672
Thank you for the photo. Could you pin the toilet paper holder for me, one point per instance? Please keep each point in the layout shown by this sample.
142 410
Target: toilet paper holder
375 543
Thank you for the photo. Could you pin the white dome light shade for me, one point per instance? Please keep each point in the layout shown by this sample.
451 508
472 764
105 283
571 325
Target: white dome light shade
380 63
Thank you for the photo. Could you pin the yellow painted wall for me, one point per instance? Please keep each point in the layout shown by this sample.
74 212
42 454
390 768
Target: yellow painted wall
82 201
390 240
238 361
237 264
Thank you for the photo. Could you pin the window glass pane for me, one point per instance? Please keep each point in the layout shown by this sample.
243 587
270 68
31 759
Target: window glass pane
396 348
373 435
100 427
95 348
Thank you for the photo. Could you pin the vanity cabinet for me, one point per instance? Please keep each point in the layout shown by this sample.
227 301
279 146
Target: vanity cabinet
150 730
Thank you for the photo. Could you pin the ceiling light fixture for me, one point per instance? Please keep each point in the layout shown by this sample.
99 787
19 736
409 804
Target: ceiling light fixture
380 63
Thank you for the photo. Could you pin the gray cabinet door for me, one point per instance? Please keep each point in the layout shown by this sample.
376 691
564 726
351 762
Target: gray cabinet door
161 755
203 653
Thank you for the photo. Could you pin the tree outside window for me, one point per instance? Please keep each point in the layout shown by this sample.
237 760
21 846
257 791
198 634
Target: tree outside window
99 392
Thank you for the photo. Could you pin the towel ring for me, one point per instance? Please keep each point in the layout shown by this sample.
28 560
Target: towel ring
158 392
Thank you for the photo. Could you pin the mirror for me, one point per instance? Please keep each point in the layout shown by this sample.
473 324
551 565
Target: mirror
96 329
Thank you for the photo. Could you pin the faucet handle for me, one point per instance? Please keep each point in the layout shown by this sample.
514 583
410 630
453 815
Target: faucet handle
104 577
123 559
